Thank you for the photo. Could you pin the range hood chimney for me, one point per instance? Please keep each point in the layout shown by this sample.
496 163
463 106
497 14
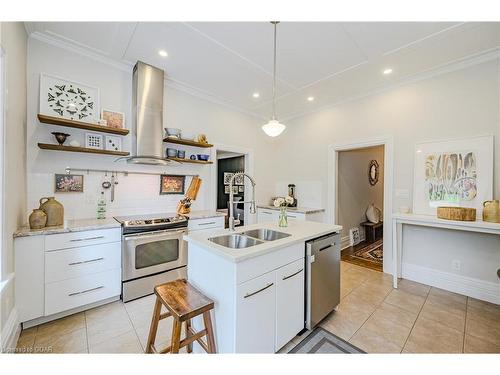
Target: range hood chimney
147 115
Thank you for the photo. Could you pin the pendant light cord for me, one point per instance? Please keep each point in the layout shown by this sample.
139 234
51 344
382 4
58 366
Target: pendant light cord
275 23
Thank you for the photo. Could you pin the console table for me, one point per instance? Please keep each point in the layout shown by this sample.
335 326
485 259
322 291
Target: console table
398 220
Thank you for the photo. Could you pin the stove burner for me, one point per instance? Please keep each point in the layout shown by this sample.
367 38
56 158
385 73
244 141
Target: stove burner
151 223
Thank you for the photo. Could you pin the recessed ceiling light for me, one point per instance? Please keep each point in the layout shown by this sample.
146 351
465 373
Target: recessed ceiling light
162 53
387 71
256 95
310 98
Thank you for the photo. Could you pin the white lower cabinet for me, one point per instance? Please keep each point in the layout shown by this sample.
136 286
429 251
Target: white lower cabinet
289 302
256 310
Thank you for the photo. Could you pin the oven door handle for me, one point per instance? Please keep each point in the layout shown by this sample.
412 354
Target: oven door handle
170 233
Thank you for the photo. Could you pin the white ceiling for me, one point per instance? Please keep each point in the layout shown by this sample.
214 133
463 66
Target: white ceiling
331 61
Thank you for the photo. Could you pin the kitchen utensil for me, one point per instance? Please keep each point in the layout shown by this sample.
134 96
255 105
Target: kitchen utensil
491 211
171 152
37 219
203 157
192 157
106 184
456 213
181 154
54 211
113 183
184 206
173 132
60 137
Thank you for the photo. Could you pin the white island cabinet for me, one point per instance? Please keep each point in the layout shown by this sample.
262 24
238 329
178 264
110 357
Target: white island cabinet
258 291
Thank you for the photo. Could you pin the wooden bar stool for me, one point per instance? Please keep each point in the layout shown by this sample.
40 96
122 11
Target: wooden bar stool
183 303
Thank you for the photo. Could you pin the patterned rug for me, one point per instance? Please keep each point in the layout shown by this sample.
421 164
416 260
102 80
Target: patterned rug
320 341
373 252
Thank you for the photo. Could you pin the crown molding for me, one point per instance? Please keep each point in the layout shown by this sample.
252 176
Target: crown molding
449 67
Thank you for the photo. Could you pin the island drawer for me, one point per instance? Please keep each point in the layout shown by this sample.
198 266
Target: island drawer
206 223
81 261
84 238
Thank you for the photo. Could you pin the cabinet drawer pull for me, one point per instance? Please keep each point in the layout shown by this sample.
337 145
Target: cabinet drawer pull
266 212
86 261
86 239
258 291
293 274
210 223
85 291
327 247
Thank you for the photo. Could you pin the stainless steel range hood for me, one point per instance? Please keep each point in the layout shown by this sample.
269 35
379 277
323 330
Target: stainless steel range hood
147 115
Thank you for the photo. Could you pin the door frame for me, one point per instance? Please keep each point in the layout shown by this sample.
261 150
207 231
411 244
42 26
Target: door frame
332 194
249 169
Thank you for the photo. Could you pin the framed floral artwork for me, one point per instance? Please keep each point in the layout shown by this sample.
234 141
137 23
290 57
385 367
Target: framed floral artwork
68 183
172 184
113 119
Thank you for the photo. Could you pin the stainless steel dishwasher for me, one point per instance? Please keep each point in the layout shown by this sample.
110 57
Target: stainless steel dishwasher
322 277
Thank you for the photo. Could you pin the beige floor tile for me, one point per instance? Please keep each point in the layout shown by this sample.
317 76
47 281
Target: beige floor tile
125 343
108 311
344 266
445 314
483 328
72 342
62 326
106 328
373 295
407 301
163 335
476 345
397 314
451 299
371 342
141 305
486 312
413 287
347 286
429 336
26 340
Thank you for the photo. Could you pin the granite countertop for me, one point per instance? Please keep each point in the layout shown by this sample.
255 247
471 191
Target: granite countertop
71 226
301 210
300 231
193 215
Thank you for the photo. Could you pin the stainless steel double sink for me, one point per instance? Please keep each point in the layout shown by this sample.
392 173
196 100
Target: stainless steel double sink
248 238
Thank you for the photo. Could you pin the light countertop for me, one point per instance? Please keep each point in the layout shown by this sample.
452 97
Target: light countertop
204 214
71 226
299 209
300 231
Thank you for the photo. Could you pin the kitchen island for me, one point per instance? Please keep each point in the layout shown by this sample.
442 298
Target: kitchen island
256 277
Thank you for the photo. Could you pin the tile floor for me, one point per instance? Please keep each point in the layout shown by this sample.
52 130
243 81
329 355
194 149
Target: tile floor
414 318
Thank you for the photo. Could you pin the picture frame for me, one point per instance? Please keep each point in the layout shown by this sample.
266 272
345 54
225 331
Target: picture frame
455 172
227 177
114 119
235 189
373 172
68 183
241 189
113 143
94 141
226 189
239 180
61 97
172 184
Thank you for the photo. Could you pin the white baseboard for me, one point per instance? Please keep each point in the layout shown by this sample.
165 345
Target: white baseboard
10 332
345 242
475 288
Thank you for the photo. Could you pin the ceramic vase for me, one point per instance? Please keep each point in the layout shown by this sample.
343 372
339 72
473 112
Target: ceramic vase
283 219
37 219
54 211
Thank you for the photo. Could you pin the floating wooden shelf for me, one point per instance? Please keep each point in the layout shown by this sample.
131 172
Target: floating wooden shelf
47 146
80 125
190 161
186 142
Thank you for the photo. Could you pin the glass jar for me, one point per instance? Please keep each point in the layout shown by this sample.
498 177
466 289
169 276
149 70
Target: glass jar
283 219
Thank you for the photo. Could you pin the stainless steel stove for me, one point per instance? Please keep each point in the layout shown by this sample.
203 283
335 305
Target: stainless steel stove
153 252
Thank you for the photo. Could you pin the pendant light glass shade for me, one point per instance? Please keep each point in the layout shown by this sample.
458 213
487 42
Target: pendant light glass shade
273 128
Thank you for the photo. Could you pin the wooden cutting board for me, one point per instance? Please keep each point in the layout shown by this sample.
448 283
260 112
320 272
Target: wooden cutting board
194 188
456 213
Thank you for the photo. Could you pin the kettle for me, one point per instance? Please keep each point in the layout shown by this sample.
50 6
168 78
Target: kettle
54 211
491 211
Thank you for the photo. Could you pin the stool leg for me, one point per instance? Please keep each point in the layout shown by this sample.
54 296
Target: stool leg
176 336
188 325
210 333
154 326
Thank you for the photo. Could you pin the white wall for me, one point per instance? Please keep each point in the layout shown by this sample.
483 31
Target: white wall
13 40
461 103
354 190
134 193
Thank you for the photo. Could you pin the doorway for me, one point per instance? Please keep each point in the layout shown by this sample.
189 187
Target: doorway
360 193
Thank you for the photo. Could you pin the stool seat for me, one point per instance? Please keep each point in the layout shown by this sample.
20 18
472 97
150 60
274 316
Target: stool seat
183 300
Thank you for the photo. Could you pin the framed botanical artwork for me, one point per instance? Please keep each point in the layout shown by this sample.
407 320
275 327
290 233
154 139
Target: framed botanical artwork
226 189
113 143
72 100
94 140
241 189
113 119
235 189
68 183
227 177
239 180
456 172
172 184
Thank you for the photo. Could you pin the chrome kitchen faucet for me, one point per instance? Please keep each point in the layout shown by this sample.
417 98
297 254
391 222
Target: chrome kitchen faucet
231 198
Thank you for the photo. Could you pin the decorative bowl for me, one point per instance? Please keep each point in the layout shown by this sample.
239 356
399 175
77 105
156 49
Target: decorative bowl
173 132
181 154
171 152
60 137
203 157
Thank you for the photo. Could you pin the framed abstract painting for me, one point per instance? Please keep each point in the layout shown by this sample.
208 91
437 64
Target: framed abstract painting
457 173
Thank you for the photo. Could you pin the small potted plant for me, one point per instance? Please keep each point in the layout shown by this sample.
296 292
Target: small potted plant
282 203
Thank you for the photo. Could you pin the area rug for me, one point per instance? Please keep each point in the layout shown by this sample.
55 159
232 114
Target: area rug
320 341
373 252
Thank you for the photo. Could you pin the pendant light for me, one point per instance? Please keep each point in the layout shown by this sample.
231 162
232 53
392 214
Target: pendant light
274 128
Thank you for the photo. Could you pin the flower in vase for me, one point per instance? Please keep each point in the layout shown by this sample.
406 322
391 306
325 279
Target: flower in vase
289 200
278 202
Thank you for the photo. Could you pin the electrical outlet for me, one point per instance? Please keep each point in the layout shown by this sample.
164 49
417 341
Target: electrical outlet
456 265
